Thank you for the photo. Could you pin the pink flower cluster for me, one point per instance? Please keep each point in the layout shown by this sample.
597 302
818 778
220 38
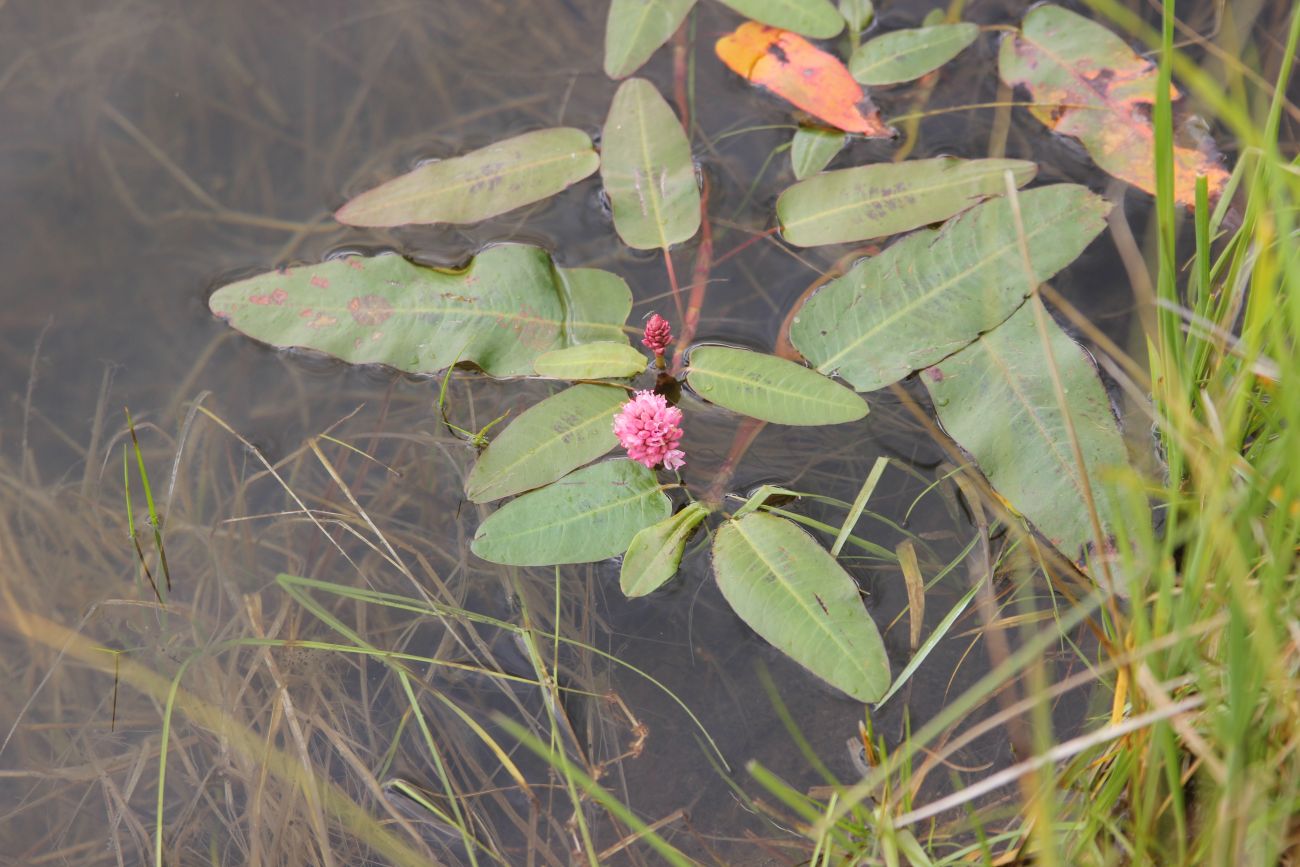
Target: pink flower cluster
658 334
650 430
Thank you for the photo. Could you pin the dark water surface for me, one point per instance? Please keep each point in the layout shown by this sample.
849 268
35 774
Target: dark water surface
153 149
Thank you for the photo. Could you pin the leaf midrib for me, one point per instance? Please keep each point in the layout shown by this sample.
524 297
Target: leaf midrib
514 169
1012 382
948 36
614 504
910 191
530 454
848 402
647 166
906 309
848 652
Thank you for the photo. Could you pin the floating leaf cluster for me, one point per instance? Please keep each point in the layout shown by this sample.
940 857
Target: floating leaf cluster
952 298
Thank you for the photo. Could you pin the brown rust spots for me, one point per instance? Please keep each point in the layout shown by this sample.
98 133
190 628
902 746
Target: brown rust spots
370 309
273 299
532 330
318 320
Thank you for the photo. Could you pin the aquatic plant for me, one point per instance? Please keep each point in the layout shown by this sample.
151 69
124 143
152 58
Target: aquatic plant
960 302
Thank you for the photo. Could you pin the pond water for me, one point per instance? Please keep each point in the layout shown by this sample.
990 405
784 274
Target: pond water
154 150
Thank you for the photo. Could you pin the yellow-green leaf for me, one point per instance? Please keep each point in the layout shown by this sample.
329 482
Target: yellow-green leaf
887 198
508 306
907 54
815 18
591 514
602 360
478 185
635 29
547 440
797 597
655 553
770 388
646 166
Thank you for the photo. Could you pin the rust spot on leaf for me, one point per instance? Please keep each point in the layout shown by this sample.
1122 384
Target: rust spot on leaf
275 299
370 309
319 282
322 320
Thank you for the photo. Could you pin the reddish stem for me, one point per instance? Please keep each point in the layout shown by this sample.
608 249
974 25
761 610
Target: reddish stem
746 432
699 282
679 76
672 282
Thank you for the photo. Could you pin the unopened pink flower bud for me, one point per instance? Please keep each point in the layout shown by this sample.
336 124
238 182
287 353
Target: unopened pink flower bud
658 334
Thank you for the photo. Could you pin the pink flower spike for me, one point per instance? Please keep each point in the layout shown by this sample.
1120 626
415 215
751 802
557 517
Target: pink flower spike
658 334
650 430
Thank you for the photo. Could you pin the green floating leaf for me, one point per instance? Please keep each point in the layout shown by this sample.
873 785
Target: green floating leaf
656 552
510 305
603 360
887 198
478 185
857 13
793 593
635 29
812 148
815 18
933 292
647 170
908 54
547 440
769 388
997 399
591 514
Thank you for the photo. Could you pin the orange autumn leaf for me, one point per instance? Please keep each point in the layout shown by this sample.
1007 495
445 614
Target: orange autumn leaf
796 70
1088 84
